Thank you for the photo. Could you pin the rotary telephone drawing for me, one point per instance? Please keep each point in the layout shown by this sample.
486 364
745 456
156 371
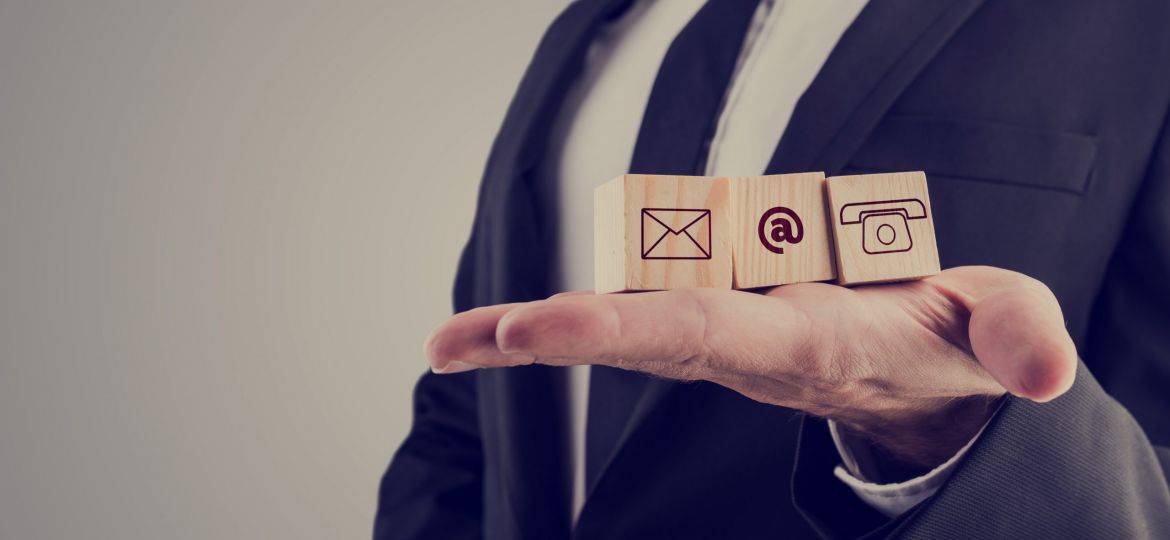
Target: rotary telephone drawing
884 224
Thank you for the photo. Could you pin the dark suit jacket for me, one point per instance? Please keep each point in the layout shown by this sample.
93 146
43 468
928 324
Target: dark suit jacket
1042 126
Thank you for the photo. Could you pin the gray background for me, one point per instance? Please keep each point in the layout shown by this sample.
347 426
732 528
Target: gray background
225 229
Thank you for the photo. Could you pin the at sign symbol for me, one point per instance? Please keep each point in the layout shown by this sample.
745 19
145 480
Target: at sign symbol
777 226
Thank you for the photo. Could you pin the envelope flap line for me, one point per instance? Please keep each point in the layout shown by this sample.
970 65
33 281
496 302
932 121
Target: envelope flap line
702 213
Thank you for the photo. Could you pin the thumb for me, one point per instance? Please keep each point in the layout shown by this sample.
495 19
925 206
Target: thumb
1017 332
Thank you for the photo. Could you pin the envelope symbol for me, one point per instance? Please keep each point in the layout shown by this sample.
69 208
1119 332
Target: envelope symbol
676 233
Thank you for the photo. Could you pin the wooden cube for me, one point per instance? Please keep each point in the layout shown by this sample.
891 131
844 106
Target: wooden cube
883 227
781 230
661 232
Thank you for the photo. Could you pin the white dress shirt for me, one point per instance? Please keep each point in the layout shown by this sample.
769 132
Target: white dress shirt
593 141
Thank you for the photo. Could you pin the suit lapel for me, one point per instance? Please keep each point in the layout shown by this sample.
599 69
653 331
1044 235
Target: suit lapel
523 409
526 409
523 138
875 60
655 392
512 234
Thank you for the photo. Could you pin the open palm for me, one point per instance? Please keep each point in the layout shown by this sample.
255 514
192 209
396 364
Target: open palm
894 361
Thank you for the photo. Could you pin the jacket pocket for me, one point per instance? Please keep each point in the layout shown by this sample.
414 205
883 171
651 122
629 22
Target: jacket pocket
983 151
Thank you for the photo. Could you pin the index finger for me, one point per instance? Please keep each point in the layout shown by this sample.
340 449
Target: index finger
669 333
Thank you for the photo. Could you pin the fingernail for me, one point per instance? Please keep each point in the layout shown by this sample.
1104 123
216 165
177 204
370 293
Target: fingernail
516 332
454 366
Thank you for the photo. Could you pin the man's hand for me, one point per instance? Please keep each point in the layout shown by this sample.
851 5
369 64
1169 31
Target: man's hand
914 367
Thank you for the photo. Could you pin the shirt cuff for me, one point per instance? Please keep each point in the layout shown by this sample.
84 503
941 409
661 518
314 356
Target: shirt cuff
893 500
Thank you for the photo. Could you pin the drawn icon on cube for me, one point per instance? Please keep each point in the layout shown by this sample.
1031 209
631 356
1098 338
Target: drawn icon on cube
777 226
884 227
676 233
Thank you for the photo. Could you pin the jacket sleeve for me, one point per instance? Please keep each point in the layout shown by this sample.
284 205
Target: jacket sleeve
1076 467
433 486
